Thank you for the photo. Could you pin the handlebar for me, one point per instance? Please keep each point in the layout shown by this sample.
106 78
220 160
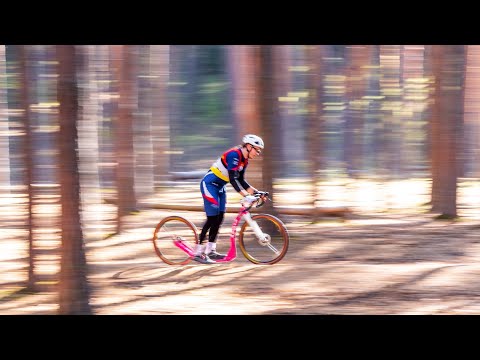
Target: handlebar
259 198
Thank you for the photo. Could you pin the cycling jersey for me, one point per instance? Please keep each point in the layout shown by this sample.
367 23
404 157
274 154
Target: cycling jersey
228 168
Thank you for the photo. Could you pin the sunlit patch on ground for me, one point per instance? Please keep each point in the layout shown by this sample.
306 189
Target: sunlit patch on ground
388 256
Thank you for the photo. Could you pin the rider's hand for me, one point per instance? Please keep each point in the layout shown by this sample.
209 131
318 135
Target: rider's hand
263 194
248 200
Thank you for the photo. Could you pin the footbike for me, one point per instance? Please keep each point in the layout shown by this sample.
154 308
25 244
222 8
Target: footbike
263 239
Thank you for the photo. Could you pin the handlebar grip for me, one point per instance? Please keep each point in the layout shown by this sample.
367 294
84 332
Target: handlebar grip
261 193
261 201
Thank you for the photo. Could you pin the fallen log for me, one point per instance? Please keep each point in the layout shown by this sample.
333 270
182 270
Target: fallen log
334 211
286 210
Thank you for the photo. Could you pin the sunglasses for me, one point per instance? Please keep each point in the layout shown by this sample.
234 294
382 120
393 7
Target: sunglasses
257 150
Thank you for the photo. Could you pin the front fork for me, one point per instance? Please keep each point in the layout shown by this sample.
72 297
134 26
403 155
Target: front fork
256 229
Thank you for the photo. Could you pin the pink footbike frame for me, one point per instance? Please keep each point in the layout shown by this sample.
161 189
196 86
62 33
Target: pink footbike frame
276 239
232 252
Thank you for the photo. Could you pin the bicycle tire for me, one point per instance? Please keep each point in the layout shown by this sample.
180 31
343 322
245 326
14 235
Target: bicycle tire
168 229
264 254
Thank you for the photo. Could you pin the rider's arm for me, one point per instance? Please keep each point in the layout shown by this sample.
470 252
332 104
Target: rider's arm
235 173
250 189
240 185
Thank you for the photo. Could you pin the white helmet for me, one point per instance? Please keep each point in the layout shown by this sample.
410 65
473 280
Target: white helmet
253 140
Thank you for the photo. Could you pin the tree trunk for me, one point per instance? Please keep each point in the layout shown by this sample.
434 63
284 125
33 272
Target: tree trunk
74 292
28 157
268 115
88 141
160 67
244 71
447 119
143 128
4 137
123 62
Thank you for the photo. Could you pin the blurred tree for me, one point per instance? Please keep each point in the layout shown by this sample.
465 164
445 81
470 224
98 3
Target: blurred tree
358 59
142 134
74 291
269 121
88 136
314 130
179 106
142 127
448 68
244 62
24 74
123 58
283 85
296 158
4 134
159 71
472 112
415 87
13 107
333 107
190 76
107 106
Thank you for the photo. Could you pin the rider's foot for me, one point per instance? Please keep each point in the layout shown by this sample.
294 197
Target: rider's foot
203 259
215 255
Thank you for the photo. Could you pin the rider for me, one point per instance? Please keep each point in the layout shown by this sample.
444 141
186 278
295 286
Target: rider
228 168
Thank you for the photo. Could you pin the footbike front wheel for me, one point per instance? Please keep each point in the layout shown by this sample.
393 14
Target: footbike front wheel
267 250
170 229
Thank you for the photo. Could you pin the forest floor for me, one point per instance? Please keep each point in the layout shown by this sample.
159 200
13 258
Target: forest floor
368 263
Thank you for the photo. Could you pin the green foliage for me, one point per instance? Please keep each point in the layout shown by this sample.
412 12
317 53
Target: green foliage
196 139
209 103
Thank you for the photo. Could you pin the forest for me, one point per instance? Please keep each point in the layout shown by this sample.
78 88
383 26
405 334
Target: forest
89 132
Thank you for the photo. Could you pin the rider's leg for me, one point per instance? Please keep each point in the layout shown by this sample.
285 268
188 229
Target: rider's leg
199 250
212 234
214 229
211 221
211 203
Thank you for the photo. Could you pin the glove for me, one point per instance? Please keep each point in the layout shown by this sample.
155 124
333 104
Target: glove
248 200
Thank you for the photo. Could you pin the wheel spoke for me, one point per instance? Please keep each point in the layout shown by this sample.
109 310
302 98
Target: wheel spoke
268 251
168 231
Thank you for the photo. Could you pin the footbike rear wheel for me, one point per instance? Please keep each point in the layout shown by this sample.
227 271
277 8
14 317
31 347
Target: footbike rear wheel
174 228
266 251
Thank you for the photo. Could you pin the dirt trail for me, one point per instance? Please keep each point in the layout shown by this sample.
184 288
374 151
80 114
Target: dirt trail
390 264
